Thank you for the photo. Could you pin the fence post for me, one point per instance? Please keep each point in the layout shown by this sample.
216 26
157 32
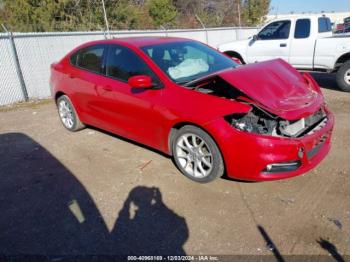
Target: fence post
236 34
17 64
205 29
104 32
164 30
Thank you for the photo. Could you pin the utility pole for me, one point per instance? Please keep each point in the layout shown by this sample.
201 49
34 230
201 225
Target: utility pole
239 14
105 15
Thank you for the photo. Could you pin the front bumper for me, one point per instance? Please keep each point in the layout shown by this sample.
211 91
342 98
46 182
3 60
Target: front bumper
247 156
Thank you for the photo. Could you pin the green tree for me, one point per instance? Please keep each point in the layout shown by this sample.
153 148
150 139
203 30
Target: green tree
254 11
30 15
162 11
212 13
125 14
82 15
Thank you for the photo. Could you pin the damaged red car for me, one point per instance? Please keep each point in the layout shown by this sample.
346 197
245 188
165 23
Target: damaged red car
258 122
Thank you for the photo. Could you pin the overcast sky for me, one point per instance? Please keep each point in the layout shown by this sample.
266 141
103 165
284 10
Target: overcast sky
298 6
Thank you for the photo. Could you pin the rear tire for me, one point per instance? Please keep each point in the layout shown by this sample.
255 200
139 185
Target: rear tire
343 77
196 155
68 114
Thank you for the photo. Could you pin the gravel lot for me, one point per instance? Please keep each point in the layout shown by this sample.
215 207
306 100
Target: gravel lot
94 193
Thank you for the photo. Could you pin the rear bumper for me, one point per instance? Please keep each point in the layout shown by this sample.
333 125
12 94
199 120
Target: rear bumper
247 156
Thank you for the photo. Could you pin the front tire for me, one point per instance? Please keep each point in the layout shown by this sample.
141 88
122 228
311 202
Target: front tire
68 114
196 155
343 77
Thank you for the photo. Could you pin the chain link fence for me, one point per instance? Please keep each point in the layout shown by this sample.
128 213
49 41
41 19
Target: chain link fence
10 88
25 58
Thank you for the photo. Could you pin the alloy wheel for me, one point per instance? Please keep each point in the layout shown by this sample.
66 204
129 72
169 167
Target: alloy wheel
194 155
66 114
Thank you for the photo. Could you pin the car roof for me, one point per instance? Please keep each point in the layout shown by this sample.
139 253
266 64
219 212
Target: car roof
297 16
141 41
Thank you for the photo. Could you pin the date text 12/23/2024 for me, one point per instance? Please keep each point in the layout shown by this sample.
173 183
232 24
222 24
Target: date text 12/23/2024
173 258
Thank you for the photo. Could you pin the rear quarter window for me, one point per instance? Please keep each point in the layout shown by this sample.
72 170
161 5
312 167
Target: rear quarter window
89 58
324 25
73 58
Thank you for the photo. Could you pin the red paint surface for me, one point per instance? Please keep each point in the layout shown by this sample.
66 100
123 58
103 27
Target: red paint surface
147 116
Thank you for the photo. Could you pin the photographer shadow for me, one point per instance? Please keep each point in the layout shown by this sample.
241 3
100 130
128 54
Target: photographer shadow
45 210
145 225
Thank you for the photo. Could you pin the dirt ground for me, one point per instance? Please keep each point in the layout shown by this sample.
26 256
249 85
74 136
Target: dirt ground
93 192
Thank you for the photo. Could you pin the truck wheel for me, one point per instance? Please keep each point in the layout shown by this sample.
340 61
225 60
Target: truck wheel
343 77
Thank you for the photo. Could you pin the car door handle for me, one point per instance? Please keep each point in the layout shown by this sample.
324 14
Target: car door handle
283 45
107 88
71 76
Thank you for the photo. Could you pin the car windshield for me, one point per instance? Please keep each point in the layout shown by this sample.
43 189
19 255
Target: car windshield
187 61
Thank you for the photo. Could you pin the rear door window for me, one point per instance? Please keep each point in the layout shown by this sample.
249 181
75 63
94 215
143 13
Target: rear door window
90 58
302 28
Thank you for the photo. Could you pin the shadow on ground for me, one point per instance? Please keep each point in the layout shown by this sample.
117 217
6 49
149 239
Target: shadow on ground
331 249
324 244
326 80
270 244
46 210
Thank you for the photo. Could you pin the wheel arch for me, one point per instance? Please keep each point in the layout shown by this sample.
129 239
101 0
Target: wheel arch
235 54
58 95
341 60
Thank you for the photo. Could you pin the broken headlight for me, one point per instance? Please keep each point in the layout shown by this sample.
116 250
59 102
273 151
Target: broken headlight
256 121
260 122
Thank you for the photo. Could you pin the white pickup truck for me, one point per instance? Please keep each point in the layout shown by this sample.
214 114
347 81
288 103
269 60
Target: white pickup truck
306 42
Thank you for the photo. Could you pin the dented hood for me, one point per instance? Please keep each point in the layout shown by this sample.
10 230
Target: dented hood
277 87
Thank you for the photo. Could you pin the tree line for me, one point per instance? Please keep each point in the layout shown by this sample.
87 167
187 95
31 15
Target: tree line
82 15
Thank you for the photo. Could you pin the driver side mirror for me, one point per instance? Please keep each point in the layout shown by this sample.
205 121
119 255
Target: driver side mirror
140 81
255 37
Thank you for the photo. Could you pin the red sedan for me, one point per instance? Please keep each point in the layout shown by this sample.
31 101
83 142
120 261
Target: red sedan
256 122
